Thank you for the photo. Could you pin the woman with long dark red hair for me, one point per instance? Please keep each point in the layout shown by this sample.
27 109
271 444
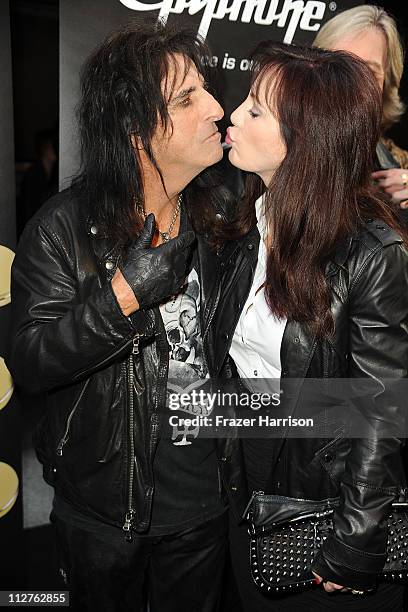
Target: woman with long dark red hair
314 284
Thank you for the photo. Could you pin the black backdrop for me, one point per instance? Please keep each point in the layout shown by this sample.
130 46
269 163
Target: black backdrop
10 447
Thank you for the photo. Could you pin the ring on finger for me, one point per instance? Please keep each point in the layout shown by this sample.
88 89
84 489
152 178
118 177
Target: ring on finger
404 179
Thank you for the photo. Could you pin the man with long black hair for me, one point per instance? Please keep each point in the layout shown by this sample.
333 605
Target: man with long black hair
108 289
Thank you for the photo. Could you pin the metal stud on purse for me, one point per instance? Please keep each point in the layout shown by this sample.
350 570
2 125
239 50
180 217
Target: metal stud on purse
286 534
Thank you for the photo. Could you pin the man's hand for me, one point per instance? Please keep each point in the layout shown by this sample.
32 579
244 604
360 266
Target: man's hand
154 274
394 182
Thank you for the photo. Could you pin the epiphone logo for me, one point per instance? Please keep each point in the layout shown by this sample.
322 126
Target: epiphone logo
292 14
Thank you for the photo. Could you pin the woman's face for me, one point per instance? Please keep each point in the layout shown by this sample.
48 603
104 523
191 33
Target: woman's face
370 46
256 142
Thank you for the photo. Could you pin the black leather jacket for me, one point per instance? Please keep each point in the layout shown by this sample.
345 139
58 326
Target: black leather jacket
369 281
70 339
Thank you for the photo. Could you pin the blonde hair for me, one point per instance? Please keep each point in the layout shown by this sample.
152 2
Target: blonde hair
357 20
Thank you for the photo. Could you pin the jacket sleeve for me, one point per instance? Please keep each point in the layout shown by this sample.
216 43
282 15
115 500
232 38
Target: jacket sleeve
379 350
55 337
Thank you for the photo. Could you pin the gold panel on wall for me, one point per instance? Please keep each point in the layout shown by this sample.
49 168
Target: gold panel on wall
8 488
6 259
6 384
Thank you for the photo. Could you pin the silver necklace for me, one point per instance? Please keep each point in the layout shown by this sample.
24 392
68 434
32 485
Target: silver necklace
165 235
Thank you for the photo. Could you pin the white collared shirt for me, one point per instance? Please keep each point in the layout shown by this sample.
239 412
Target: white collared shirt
257 339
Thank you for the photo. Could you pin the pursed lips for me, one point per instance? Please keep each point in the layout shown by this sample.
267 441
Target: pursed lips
228 138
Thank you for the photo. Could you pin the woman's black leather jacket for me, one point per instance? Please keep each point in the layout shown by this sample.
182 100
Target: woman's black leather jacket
368 277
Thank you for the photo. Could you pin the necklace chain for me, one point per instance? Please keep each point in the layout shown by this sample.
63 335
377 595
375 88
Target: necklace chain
165 235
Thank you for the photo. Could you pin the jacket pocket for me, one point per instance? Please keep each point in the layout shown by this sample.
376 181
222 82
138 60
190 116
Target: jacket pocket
65 436
332 455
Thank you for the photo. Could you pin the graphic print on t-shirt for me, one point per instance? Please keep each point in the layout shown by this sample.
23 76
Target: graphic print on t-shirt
187 367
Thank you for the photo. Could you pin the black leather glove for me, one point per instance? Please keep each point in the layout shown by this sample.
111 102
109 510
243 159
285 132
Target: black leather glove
157 273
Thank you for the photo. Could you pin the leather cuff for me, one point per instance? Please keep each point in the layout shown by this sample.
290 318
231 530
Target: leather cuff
348 566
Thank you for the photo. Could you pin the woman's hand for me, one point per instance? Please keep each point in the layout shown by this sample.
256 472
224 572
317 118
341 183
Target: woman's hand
330 587
394 182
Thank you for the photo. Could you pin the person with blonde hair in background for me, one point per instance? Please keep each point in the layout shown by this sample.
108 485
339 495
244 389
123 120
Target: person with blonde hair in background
371 33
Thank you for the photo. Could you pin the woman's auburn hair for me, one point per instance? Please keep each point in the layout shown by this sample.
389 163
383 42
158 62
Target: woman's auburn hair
359 19
328 105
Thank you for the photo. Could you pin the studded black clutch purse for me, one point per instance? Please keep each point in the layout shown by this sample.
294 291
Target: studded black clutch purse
286 534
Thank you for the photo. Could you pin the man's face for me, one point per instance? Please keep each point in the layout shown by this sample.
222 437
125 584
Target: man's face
192 142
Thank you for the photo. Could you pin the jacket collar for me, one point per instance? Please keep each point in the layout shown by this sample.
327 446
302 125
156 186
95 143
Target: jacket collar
104 249
340 257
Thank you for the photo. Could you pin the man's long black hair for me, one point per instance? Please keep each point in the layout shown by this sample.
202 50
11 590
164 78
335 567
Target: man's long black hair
121 87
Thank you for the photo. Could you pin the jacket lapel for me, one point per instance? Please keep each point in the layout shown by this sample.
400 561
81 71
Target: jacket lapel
207 263
106 254
297 349
298 346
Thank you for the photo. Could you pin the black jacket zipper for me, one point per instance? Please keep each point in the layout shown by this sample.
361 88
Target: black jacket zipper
127 525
